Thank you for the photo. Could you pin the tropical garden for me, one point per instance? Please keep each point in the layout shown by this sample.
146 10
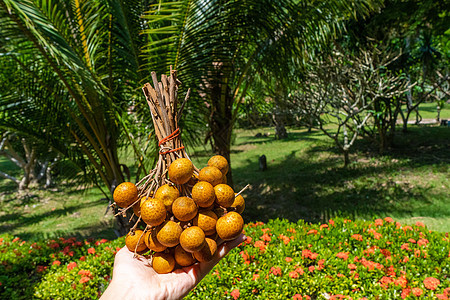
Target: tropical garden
333 115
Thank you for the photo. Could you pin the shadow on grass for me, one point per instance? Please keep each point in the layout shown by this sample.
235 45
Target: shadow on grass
17 219
103 230
292 136
314 187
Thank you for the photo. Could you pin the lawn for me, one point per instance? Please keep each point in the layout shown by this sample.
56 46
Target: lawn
304 180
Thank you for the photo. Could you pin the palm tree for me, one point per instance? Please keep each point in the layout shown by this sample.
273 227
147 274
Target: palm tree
78 68
218 47
80 65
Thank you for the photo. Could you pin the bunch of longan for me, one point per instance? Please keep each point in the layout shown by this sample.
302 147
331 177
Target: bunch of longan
185 217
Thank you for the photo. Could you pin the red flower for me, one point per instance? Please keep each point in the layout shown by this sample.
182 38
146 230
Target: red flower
420 224
297 297
405 246
331 222
401 281
351 266
293 274
288 259
15 239
56 262
406 228
416 253
40 269
235 294
275 271
320 264
71 265
285 239
312 231
313 256
389 219
379 222
85 273
422 242
91 250
84 279
357 237
266 237
83 258
311 268
417 291
384 281
265 230
405 293
261 245
391 271
386 252
343 255
299 270
255 277
431 283
323 226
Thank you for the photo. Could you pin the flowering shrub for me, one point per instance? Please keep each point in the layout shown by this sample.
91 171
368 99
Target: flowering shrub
339 260
280 260
55 269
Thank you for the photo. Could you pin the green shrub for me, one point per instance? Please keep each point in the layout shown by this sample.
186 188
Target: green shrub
280 260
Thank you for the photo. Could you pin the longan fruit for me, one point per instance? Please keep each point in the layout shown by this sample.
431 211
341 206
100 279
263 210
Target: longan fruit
239 204
152 241
206 220
153 212
167 193
230 226
224 195
169 234
203 194
182 257
211 175
137 206
163 263
181 170
133 238
184 208
220 163
192 239
207 252
125 194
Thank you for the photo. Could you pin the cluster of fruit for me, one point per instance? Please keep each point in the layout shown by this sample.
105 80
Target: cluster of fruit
186 217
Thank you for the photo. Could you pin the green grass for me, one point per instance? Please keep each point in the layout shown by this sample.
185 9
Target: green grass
54 213
304 180
429 111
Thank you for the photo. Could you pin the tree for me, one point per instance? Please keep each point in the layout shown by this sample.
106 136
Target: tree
219 46
346 89
419 29
79 65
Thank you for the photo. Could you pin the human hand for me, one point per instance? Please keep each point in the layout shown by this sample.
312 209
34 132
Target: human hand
134 278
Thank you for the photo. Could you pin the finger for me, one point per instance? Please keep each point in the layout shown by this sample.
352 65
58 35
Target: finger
205 267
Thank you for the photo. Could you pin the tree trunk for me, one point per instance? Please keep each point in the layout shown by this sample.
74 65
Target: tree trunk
220 120
346 158
280 130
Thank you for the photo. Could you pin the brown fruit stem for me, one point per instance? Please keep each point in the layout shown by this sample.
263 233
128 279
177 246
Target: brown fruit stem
243 189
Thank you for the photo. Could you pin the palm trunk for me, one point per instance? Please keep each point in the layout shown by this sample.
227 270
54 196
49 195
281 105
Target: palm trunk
220 121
